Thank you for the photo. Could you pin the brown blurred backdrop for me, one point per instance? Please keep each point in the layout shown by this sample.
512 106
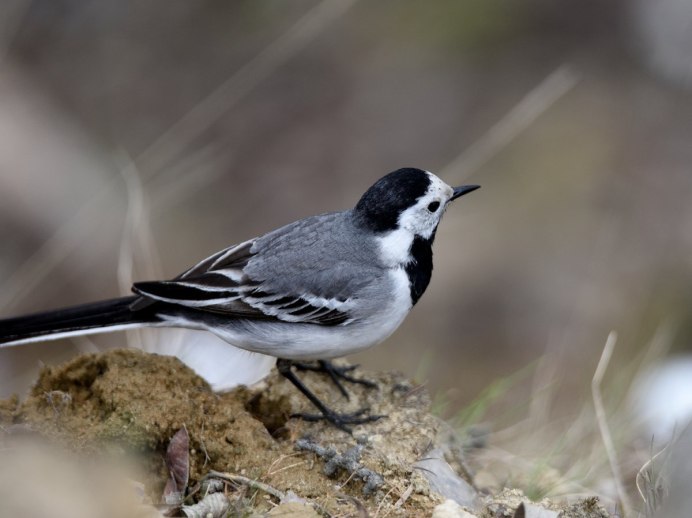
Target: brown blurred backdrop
237 117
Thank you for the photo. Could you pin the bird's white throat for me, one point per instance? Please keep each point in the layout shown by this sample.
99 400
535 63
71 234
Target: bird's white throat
395 247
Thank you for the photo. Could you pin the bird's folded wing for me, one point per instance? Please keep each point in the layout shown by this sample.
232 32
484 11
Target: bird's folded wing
219 284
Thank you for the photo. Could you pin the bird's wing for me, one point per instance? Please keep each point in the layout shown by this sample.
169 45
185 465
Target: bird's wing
220 284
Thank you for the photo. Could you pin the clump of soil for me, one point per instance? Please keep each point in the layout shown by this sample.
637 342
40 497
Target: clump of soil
126 404
131 403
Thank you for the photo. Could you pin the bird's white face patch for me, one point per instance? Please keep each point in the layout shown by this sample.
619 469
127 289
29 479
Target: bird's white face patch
421 219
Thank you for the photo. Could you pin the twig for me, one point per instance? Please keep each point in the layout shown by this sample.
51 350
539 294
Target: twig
383 501
405 496
254 484
603 421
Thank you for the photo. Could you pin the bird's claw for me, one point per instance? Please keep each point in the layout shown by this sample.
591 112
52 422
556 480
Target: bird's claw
341 420
336 373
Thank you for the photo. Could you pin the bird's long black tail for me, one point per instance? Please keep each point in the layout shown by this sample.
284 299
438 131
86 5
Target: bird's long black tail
96 317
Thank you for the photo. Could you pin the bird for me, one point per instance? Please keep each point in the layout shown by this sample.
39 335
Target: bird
316 289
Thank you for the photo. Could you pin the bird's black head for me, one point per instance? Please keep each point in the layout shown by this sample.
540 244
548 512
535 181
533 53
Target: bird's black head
406 198
382 204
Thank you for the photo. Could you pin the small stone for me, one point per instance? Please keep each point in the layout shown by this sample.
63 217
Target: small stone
450 509
294 510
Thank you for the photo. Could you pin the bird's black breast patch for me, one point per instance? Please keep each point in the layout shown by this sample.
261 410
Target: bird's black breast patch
419 270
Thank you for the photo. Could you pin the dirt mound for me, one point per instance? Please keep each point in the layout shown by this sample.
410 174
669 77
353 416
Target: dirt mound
130 403
125 406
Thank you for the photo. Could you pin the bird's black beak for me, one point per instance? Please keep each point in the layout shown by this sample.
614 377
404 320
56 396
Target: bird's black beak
464 189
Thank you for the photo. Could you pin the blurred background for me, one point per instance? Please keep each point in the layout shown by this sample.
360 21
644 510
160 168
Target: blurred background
138 137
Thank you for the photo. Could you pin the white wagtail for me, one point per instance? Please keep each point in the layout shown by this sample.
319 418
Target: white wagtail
319 288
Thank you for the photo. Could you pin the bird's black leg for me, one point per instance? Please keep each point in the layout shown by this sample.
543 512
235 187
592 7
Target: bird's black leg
339 420
336 374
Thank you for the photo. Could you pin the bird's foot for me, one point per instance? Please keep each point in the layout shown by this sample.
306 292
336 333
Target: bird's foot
336 373
341 421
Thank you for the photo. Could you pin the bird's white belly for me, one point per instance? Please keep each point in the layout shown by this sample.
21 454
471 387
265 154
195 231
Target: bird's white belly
309 341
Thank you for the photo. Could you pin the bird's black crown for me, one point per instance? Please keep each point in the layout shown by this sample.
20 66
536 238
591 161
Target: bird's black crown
379 208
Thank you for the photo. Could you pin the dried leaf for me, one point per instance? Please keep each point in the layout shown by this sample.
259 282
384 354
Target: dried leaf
178 464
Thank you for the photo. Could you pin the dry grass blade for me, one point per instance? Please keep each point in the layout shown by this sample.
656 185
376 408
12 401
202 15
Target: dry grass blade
524 113
138 256
650 483
134 215
242 82
602 420
254 484
405 496
273 470
381 505
659 345
137 238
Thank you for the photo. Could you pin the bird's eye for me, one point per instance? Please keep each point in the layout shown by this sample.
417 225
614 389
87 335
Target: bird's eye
434 206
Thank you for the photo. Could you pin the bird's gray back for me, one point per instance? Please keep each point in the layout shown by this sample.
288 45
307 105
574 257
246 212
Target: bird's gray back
325 255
